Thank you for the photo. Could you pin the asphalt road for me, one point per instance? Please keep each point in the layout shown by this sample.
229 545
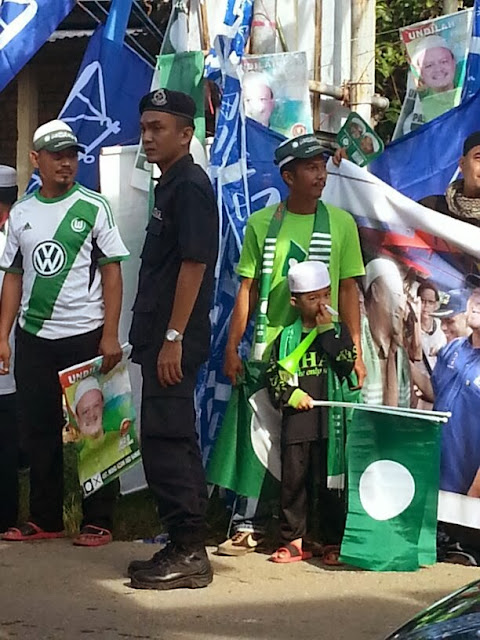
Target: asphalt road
52 590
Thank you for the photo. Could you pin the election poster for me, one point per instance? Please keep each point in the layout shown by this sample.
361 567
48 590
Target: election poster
437 52
101 419
420 323
359 140
275 92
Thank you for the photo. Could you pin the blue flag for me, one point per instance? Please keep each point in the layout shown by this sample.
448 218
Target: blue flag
424 162
472 76
25 25
102 107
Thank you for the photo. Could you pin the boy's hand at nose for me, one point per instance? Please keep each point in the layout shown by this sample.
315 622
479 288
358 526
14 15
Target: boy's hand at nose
323 316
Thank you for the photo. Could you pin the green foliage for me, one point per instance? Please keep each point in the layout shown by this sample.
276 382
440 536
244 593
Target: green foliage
391 61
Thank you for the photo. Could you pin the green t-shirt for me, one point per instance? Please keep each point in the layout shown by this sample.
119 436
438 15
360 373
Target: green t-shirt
292 246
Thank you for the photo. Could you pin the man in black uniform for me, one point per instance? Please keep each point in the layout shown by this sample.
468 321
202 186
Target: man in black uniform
170 335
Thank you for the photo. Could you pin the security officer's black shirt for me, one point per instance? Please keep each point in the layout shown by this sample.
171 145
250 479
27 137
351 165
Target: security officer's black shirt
183 226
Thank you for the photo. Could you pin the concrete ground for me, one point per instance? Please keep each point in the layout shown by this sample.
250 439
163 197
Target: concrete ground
52 590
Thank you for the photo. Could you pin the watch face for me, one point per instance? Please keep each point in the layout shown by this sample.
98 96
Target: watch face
173 335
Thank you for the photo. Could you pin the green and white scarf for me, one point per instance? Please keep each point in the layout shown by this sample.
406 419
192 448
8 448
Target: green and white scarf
292 349
320 249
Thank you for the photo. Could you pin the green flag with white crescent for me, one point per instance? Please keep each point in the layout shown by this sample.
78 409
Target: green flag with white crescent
393 480
246 455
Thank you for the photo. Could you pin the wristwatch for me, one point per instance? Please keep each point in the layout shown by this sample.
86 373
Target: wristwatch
172 335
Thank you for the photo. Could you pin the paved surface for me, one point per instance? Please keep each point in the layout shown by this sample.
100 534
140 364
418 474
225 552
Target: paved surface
52 590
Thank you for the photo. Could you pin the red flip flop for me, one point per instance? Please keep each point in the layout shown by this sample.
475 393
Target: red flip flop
92 536
331 553
290 553
30 531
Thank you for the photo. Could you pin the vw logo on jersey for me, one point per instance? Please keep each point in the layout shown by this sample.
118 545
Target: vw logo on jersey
78 225
49 258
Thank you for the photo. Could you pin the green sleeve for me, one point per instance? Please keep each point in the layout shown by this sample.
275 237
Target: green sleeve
351 261
251 256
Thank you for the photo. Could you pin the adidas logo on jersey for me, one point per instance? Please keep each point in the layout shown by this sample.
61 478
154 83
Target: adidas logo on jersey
27 226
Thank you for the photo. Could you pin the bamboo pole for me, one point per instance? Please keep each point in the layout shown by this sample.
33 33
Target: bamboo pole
317 64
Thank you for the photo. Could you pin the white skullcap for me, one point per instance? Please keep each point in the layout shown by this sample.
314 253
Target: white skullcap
8 177
85 385
307 276
385 268
424 44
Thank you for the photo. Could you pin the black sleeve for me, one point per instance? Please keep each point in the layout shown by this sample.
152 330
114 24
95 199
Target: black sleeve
340 350
278 388
197 223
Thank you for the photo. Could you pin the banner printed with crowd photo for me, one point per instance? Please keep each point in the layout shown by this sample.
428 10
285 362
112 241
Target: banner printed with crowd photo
437 52
101 421
275 92
420 305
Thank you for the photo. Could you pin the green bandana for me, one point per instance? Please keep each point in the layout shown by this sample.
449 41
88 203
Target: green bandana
292 350
320 249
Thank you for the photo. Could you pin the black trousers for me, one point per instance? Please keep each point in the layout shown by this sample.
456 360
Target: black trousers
37 362
8 461
172 462
303 493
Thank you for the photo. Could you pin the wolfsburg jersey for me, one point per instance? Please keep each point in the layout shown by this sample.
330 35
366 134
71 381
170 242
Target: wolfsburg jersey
58 245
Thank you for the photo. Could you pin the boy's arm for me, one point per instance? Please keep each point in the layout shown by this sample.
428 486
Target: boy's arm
340 350
280 391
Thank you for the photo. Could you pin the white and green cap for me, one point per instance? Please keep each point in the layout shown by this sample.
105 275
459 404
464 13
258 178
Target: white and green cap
55 136
303 147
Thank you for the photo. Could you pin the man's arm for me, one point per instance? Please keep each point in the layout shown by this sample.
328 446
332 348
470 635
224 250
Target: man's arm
189 281
245 305
112 287
9 305
349 308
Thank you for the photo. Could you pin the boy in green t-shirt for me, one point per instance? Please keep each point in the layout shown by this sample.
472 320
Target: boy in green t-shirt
304 360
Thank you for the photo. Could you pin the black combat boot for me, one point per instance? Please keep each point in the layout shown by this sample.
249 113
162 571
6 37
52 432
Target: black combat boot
180 567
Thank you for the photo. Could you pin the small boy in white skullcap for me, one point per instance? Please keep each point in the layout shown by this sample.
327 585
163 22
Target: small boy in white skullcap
309 359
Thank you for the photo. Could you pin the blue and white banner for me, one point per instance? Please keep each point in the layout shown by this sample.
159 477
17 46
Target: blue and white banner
472 78
424 162
25 25
102 107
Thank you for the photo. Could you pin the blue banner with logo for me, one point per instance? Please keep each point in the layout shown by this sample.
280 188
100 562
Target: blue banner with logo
424 162
245 180
102 107
25 25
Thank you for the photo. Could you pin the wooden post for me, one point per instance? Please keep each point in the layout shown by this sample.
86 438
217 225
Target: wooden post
363 57
450 6
317 64
27 122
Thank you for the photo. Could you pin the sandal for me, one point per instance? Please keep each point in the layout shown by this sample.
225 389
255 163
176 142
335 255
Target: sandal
30 531
289 553
331 553
92 536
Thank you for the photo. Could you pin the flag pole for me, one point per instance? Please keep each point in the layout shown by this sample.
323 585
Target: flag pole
117 21
422 414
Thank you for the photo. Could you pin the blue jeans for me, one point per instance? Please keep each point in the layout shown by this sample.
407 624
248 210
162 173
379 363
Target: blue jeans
249 514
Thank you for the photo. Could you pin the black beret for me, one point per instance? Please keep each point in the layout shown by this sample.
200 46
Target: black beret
174 102
473 140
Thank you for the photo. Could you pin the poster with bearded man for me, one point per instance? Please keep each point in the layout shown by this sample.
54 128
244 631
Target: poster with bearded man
101 419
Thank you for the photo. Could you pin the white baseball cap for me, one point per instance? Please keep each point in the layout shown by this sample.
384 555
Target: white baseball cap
55 136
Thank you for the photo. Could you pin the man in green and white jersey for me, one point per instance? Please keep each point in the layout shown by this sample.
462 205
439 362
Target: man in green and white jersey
63 278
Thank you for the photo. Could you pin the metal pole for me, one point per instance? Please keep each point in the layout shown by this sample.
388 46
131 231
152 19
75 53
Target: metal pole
450 6
363 57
